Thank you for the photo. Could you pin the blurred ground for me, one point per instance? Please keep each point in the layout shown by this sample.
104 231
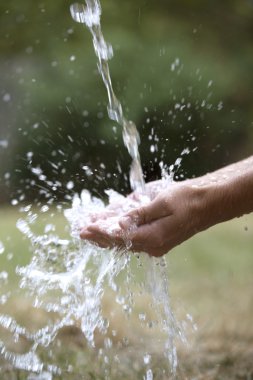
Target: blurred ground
210 278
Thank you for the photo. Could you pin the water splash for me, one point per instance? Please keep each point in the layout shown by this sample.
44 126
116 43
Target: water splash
69 280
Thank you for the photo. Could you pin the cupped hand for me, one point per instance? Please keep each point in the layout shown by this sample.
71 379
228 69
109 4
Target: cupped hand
173 216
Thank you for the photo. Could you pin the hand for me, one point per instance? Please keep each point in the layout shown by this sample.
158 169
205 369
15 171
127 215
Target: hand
177 211
168 220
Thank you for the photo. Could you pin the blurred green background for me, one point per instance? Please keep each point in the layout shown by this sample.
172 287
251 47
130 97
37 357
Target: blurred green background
182 69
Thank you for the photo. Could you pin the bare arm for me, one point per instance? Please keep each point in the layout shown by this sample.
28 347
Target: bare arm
228 192
182 210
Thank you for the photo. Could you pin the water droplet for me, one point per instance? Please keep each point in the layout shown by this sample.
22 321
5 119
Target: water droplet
89 16
152 149
29 155
220 106
3 276
108 343
4 144
175 64
3 299
147 359
6 98
70 185
7 176
44 208
10 256
37 171
149 375
2 248
120 299
87 170
142 316
23 226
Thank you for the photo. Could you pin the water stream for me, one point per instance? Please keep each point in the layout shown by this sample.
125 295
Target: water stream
90 16
75 284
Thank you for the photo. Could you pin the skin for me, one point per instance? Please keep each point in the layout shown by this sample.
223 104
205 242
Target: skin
177 211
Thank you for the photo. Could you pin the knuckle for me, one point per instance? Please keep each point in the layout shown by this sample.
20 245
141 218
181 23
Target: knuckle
141 216
165 204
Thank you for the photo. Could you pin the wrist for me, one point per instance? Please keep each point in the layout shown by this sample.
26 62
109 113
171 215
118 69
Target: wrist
223 199
205 209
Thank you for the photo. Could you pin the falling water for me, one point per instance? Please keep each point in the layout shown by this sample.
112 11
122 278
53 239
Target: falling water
73 281
90 16
69 280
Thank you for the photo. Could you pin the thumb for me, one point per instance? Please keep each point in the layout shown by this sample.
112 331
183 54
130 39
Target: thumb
156 209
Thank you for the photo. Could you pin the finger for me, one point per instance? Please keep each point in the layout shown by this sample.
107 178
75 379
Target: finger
143 238
96 239
101 236
153 238
157 209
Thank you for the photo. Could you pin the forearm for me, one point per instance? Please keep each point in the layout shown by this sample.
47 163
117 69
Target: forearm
226 193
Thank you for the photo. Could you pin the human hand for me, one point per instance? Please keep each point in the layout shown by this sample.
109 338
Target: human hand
177 212
173 216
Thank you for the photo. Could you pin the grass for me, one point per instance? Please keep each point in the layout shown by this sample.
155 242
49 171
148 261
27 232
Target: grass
210 278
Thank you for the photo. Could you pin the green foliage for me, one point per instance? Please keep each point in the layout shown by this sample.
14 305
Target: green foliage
58 100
